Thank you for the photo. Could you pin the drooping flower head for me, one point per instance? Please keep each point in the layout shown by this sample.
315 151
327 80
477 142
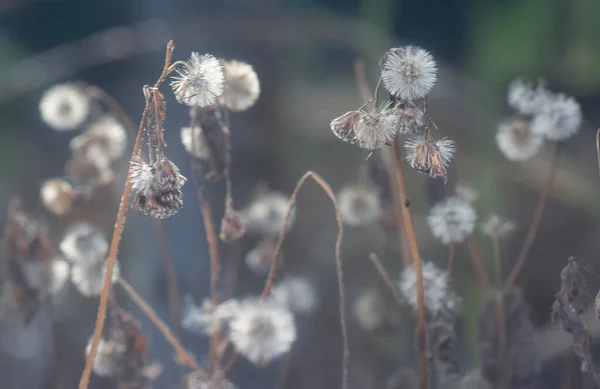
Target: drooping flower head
241 88
199 81
452 220
429 157
408 72
436 287
359 205
517 141
343 126
64 107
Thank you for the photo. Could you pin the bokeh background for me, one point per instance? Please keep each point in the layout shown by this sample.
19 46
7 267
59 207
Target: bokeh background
304 53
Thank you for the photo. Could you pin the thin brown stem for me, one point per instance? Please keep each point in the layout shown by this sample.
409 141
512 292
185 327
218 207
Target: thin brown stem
598 148
477 262
497 256
232 269
361 80
535 221
116 239
388 281
183 355
167 68
451 257
501 324
410 232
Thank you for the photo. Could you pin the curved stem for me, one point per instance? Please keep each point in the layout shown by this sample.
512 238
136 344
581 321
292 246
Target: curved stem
410 232
536 220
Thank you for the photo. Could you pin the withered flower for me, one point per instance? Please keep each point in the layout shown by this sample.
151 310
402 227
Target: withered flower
232 227
429 157
343 126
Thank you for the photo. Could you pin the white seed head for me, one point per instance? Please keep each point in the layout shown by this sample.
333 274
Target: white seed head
266 214
196 381
429 157
436 288
558 119
497 226
57 195
88 277
517 141
61 271
526 99
262 330
241 88
369 309
103 142
199 81
373 130
64 107
109 357
452 220
298 294
466 193
194 142
408 72
84 242
205 319
359 205
261 257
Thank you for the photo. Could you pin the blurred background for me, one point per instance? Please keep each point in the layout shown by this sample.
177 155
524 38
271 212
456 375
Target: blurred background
304 52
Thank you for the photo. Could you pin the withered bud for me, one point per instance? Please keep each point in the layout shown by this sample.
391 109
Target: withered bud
232 227
343 126
411 120
429 157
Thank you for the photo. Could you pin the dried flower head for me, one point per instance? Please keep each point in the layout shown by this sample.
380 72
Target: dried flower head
408 72
558 119
241 88
369 309
375 129
517 141
109 356
436 286
232 227
261 257
262 330
194 142
412 120
266 214
343 126
526 99
199 82
158 187
103 142
58 196
298 294
205 319
452 220
429 157
497 226
359 205
64 107
83 241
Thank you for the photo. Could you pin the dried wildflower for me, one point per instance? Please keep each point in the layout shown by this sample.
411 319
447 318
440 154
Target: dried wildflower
82 241
343 126
109 356
195 381
507 343
369 309
64 107
262 330
261 257
298 294
497 226
375 129
205 319
427 156
408 72
158 187
199 82
194 142
558 119
411 120
232 227
241 88
266 214
452 220
58 196
359 205
516 140
103 142
436 286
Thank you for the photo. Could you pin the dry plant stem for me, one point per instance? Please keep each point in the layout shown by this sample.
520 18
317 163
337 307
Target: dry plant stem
388 281
451 257
477 262
361 80
593 369
410 232
536 220
164 329
116 237
567 374
232 269
598 148
497 256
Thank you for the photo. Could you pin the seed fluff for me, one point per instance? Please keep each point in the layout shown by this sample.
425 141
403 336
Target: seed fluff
199 81
452 220
517 141
359 205
558 119
436 286
64 107
241 88
408 72
375 129
429 157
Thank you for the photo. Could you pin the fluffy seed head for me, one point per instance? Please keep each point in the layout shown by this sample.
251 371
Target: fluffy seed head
103 142
359 205
411 120
194 142
64 107
58 196
83 242
61 271
241 88
199 81
436 287
374 130
517 141
109 357
262 330
260 258
369 309
526 99
205 319
298 294
558 119
343 126
195 381
266 214
497 226
429 157
452 220
408 72
88 277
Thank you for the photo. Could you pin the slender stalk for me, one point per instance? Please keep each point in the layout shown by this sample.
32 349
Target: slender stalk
388 281
116 237
164 329
497 255
410 232
598 147
477 262
536 220
451 257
